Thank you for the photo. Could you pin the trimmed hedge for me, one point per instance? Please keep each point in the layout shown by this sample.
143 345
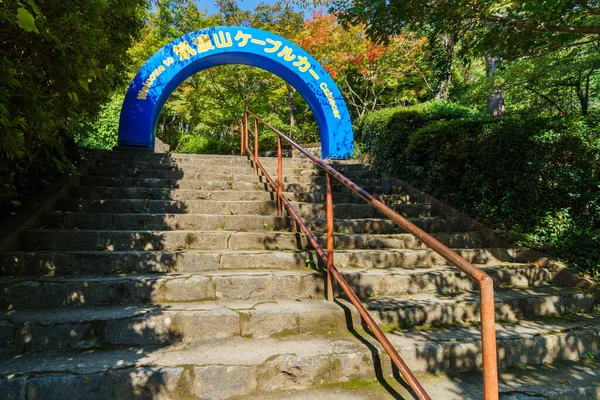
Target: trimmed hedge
535 179
384 134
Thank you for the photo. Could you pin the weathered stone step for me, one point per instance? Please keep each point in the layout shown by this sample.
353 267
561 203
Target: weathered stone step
163 222
85 328
103 193
268 163
106 181
222 159
87 290
566 380
233 367
366 178
109 240
169 323
80 290
370 283
49 263
211 173
359 211
216 370
511 304
457 348
232 207
234 169
353 390
240 207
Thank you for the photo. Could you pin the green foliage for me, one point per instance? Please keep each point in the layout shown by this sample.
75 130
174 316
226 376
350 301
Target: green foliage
535 179
59 62
205 144
385 133
498 27
104 132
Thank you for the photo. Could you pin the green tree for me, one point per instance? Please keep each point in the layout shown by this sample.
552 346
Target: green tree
59 62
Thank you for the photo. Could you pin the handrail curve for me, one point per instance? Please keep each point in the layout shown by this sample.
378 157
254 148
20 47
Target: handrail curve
486 285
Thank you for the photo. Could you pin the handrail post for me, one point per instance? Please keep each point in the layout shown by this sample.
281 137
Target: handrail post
242 137
329 210
246 131
488 339
279 176
256 145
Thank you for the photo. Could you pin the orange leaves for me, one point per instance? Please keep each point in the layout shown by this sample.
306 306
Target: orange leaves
374 52
330 70
357 60
318 31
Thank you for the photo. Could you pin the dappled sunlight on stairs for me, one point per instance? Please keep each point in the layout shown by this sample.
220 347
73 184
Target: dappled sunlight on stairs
173 277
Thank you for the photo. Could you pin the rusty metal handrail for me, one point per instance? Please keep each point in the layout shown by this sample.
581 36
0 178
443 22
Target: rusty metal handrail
486 284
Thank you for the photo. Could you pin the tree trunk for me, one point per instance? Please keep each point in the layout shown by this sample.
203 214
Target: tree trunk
495 104
444 88
444 48
583 99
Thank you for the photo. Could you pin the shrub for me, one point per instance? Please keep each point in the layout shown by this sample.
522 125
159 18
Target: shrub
59 61
535 179
384 134
103 133
204 144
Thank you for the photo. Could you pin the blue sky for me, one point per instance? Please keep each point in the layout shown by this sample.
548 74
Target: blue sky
209 5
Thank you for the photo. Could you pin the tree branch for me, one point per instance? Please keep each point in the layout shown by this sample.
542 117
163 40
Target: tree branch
588 30
590 9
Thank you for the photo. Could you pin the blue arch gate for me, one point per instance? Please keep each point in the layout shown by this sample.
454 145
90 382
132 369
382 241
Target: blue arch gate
206 48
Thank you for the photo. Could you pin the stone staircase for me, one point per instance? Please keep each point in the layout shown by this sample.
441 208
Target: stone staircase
172 277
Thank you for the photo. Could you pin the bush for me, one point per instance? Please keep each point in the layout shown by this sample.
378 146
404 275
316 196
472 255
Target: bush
204 144
384 134
103 133
535 179
59 61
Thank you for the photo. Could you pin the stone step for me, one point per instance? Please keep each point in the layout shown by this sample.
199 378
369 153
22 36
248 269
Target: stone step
365 178
359 211
137 206
169 323
457 348
246 168
78 240
566 380
268 163
76 329
104 193
163 222
211 173
94 290
353 390
463 307
220 159
107 181
220 369
231 207
237 367
50 263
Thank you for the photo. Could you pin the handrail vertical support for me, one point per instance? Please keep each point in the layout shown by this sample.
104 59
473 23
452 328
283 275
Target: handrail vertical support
329 207
488 339
246 131
242 137
279 177
256 145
